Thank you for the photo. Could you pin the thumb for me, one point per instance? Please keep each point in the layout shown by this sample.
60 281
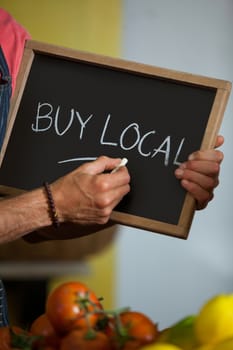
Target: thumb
101 164
219 141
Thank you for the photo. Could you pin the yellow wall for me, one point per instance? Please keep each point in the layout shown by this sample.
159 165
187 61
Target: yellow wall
90 25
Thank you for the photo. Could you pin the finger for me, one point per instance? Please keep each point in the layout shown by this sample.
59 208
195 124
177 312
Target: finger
120 177
100 165
202 180
120 195
117 184
219 141
207 155
211 154
202 167
201 195
107 201
190 170
111 185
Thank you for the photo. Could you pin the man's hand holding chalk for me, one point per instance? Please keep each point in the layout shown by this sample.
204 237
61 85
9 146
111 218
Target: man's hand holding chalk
123 162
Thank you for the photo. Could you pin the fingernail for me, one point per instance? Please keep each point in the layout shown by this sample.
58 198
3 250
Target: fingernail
191 157
179 172
182 166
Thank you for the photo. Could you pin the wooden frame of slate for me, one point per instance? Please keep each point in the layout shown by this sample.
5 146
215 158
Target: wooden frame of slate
70 107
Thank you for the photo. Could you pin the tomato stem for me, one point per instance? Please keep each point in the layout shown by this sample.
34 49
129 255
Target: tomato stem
90 334
23 340
114 312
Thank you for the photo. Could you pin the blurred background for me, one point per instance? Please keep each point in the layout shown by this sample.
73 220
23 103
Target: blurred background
167 278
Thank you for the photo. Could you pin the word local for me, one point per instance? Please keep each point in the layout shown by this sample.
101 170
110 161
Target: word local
46 119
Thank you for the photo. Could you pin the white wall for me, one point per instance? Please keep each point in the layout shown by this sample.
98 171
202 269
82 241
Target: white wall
165 277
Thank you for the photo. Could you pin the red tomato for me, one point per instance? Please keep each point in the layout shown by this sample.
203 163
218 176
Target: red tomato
47 347
72 305
42 326
5 343
139 326
132 330
83 340
131 345
6 337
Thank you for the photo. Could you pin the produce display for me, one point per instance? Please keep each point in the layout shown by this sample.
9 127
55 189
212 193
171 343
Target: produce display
75 319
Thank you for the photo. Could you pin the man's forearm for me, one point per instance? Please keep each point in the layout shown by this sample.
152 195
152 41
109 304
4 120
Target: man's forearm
28 216
22 214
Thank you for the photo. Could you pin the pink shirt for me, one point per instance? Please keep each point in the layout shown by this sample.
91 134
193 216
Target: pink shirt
12 41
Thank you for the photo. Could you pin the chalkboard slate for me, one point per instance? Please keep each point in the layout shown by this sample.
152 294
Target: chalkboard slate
71 107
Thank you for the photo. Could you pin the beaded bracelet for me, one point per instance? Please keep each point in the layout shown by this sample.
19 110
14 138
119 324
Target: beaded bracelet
51 204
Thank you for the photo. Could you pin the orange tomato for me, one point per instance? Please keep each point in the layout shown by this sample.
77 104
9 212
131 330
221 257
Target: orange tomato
131 329
139 326
5 337
6 340
41 326
72 305
85 340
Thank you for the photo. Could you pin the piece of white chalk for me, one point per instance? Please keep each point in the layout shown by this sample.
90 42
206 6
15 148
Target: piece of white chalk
123 162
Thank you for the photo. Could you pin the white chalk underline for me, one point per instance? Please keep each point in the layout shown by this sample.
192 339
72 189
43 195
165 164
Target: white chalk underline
76 159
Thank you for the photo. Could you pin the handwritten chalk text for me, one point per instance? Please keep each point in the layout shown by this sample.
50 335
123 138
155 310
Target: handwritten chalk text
47 117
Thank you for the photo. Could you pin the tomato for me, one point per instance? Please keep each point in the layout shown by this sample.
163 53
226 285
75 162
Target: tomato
131 345
20 336
47 347
139 326
72 305
131 330
5 338
41 326
85 340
